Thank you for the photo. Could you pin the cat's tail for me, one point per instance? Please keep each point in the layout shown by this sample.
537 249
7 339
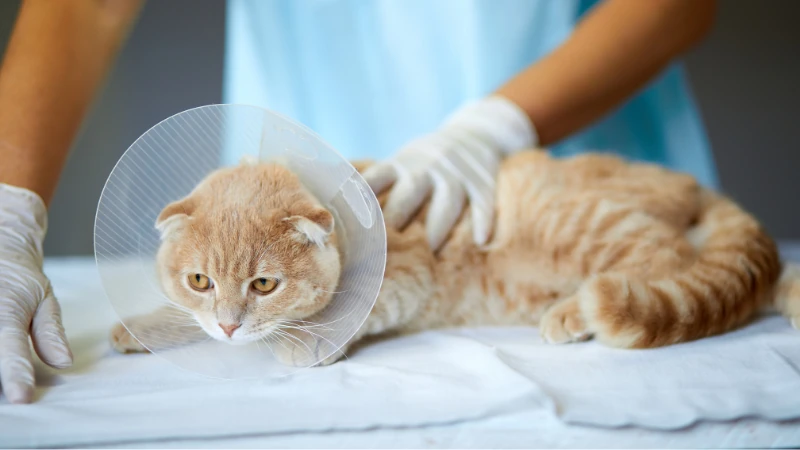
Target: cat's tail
734 274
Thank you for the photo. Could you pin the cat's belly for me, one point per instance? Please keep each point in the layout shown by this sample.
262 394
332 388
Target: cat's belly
512 283
495 295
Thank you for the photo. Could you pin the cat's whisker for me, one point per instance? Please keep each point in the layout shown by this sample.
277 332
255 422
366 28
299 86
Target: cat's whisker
318 328
305 322
182 322
176 307
168 301
301 328
325 339
335 320
291 336
294 323
267 343
178 314
313 334
315 324
258 346
279 341
186 325
316 335
162 339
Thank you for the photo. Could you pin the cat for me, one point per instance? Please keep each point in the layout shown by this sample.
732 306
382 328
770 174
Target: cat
592 246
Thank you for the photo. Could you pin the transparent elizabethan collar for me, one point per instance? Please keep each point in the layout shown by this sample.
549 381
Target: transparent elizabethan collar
164 165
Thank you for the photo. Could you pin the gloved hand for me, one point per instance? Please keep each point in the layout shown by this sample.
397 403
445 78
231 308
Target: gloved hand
458 161
27 304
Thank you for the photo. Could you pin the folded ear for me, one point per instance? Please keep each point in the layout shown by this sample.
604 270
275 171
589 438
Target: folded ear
174 216
313 227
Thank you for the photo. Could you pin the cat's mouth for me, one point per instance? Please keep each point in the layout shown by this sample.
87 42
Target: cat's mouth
245 334
241 336
243 340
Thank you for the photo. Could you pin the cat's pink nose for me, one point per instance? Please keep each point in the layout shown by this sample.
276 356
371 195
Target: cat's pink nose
229 329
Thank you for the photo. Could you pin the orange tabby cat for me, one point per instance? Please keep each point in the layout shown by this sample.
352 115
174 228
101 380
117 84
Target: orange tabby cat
631 254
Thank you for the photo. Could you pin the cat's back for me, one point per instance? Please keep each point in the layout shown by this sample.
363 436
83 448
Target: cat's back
532 186
533 189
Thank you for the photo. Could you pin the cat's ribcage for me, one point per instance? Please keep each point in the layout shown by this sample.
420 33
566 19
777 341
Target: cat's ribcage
556 244
547 243
593 248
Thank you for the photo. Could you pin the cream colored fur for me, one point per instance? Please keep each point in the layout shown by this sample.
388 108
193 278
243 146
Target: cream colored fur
630 254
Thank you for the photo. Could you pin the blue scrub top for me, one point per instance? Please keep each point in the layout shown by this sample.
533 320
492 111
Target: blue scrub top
369 76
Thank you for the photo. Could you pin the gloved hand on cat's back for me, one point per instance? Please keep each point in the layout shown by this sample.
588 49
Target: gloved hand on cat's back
456 163
28 307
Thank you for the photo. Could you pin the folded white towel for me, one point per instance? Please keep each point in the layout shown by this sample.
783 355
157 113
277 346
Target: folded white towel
429 378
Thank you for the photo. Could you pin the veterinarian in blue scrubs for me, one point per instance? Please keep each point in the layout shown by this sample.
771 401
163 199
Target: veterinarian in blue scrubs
439 90
372 76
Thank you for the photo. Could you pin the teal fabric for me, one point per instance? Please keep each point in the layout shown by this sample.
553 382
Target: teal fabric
368 76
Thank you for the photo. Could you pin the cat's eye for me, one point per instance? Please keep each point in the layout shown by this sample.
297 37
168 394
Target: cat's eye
199 282
264 285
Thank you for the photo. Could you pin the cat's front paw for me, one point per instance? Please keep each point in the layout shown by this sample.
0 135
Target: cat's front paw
123 342
332 359
297 356
563 323
286 355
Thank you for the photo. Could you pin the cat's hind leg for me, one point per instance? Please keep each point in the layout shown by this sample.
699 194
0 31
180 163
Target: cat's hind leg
732 274
719 290
631 246
564 322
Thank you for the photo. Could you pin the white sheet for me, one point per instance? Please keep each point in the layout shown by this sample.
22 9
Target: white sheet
462 388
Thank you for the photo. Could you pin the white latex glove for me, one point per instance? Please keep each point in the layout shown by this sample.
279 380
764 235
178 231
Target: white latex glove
457 162
27 305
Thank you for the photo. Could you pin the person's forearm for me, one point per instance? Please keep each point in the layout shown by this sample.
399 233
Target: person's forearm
59 54
612 53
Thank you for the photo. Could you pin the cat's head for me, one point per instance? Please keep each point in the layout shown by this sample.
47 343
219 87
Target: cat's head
249 248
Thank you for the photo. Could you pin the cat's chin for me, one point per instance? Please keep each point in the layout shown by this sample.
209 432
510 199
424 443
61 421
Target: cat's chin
236 340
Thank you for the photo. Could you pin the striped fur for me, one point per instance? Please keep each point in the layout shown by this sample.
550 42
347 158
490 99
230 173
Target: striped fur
633 255
730 276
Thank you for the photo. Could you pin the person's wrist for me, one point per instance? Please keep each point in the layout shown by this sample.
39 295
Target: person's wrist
497 121
23 215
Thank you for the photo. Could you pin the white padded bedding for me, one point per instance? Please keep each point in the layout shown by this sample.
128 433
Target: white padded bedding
456 388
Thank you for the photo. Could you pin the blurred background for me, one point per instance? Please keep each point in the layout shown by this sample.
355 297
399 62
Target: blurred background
745 78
